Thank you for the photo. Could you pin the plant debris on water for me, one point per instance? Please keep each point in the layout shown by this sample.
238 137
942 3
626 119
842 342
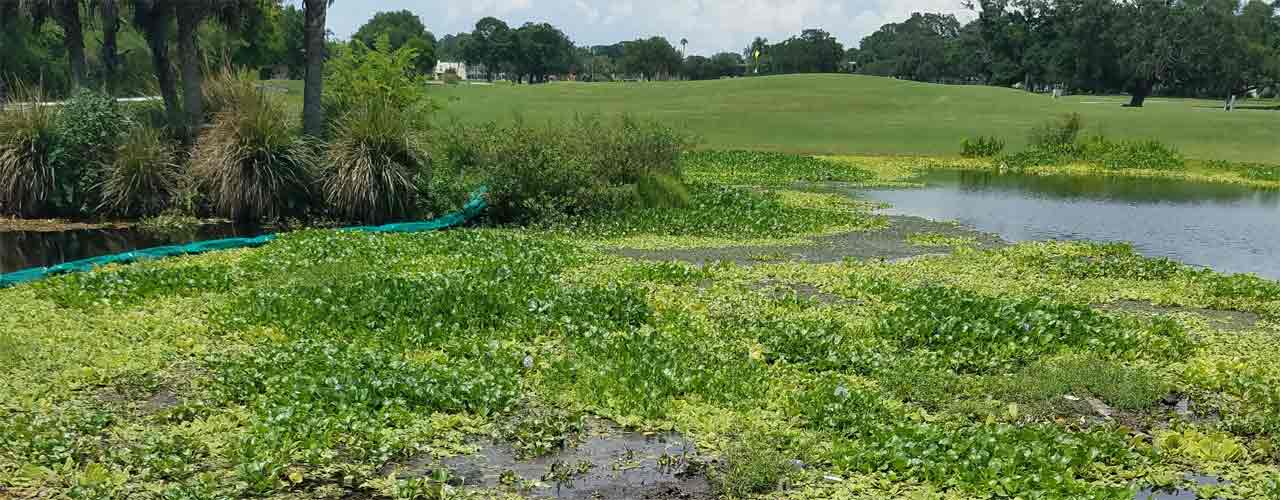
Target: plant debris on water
345 365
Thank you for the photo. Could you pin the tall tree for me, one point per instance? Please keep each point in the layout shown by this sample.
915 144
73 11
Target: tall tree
313 90
492 44
402 28
153 18
109 15
66 13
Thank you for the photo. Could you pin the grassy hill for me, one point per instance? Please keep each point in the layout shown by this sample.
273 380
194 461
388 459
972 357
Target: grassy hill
832 114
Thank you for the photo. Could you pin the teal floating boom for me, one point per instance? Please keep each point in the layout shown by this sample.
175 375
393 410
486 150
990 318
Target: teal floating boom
470 211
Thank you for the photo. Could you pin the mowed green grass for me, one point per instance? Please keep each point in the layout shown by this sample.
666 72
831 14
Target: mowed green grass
850 114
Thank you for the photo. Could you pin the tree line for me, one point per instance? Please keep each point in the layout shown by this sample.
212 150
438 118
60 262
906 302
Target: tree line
1194 48
1174 47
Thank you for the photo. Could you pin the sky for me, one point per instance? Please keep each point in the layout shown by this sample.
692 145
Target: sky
710 25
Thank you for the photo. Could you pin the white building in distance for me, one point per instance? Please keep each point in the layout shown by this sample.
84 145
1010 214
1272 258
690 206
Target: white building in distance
463 70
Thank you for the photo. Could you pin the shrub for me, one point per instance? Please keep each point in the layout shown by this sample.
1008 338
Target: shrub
142 177
225 88
31 184
982 147
251 164
89 125
358 74
1061 131
583 166
372 164
662 191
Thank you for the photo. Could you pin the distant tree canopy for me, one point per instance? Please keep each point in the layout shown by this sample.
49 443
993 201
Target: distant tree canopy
1172 47
1178 47
403 29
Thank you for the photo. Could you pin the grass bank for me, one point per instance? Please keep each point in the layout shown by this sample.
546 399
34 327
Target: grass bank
332 365
848 114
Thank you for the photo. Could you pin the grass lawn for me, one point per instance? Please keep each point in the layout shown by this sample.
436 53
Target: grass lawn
852 114
845 114
344 365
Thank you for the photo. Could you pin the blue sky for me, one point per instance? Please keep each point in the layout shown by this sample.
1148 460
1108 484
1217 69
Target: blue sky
710 25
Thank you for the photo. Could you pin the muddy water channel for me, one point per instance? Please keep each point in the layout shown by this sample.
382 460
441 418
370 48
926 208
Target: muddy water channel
1229 228
26 249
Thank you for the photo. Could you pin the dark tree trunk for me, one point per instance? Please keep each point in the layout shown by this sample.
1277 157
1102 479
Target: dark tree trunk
1141 90
189 18
73 39
313 92
110 13
156 30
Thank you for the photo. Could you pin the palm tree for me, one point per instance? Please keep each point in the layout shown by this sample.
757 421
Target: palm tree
153 17
109 13
313 90
190 14
66 13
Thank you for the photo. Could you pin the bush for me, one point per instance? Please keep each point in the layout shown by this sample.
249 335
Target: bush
252 165
358 74
223 89
31 184
90 125
662 191
1062 131
982 147
372 165
143 177
584 166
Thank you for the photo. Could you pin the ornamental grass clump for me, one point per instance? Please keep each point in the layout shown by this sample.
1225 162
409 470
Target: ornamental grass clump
143 177
30 181
251 164
373 164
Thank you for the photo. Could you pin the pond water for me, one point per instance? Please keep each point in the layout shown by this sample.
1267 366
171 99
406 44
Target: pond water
26 249
1228 228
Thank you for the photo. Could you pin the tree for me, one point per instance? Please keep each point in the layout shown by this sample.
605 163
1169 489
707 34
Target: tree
491 44
919 48
109 14
190 15
293 31
313 87
402 28
452 47
541 50
154 18
654 58
727 64
66 14
1154 48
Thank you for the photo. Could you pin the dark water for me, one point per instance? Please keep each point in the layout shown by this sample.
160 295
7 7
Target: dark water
26 249
1229 228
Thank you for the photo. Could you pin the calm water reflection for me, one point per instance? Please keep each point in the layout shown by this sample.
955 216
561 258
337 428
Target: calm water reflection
1228 228
25 249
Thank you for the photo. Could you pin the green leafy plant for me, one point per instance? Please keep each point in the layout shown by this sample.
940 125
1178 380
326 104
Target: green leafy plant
143 177
752 465
252 165
973 333
1062 131
358 75
373 161
757 168
582 166
90 125
982 147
